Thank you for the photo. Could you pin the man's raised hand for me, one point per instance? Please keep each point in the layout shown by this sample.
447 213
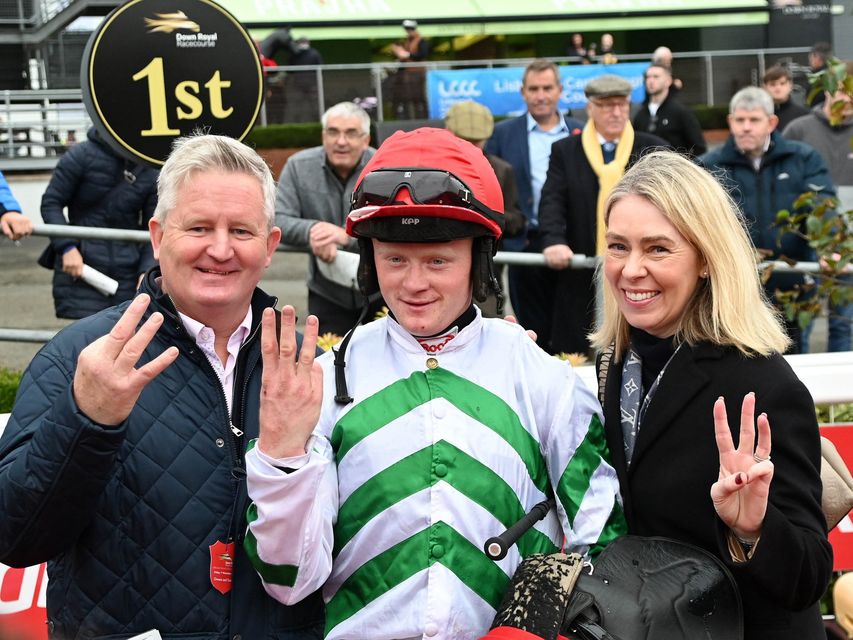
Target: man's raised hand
107 383
292 386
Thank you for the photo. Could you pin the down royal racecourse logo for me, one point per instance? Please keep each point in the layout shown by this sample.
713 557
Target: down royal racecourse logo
159 69
168 22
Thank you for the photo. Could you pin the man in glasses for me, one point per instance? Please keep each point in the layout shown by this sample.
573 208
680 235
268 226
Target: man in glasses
311 205
663 115
381 470
582 171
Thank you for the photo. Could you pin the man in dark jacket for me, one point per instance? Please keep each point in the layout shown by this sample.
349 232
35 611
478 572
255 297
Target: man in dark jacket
99 189
525 142
582 171
122 462
311 205
766 173
778 81
663 115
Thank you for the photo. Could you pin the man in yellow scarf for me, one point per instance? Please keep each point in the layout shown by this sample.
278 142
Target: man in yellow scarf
581 173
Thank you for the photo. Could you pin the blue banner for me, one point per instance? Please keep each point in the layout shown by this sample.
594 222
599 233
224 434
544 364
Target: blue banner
500 89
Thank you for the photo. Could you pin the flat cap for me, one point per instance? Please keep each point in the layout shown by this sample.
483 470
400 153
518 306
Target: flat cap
470 120
410 24
607 86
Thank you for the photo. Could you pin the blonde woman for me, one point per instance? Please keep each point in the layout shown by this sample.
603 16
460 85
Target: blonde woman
690 338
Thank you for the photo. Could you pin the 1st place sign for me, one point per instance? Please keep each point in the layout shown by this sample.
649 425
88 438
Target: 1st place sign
159 69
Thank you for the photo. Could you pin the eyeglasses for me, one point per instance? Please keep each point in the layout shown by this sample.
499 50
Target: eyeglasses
621 105
426 186
350 134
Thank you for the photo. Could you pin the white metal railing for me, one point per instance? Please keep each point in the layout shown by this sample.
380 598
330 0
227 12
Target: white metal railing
41 123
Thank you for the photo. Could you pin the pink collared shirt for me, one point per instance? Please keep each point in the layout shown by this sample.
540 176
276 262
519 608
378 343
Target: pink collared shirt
204 338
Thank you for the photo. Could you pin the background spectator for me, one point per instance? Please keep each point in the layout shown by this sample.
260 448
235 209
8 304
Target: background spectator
663 115
410 85
606 53
578 49
13 223
832 135
820 53
766 173
99 189
311 205
525 142
779 83
581 173
300 87
663 56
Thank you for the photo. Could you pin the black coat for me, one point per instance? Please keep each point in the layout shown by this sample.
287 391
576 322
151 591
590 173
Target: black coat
90 180
673 122
125 515
509 142
666 490
567 215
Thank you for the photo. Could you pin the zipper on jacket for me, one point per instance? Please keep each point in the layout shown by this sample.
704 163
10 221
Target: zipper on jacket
238 421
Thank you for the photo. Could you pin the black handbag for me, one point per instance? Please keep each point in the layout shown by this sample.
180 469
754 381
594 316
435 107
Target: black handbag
638 589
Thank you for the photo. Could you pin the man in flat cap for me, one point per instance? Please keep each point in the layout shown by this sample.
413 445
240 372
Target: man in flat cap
581 173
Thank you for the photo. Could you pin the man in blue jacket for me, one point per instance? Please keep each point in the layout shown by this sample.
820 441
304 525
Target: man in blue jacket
99 189
122 464
13 223
766 173
525 142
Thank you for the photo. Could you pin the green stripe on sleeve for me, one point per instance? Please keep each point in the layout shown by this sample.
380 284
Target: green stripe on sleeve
615 527
280 574
575 480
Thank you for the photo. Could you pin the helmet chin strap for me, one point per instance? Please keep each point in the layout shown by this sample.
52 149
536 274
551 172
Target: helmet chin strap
341 392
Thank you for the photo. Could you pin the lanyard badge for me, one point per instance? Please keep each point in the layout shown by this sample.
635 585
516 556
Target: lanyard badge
221 565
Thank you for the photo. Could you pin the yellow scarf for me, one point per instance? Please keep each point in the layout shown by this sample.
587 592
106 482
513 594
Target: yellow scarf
608 174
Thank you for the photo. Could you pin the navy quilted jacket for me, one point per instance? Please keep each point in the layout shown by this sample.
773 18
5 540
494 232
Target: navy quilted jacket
125 515
90 180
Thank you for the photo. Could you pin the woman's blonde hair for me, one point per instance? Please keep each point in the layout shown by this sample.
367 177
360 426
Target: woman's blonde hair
728 307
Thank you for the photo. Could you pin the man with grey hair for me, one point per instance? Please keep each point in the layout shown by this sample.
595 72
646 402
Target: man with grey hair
311 206
581 172
766 173
122 464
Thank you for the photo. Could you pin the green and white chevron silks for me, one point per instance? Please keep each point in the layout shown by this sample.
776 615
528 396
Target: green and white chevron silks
467 475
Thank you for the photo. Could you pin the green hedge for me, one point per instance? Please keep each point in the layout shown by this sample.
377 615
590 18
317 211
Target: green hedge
282 136
711 116
9 381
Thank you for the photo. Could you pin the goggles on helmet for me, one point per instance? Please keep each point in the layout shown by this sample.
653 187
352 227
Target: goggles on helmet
426 186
